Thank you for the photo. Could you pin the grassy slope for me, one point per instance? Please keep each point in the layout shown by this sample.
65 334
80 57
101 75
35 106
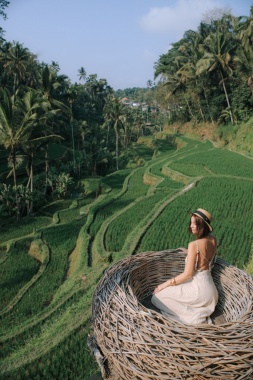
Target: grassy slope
84 239
238 138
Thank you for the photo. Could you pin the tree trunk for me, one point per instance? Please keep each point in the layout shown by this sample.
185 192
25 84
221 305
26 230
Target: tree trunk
207 104
116 145
107 134
46 169
201 111
200 108
13 154
73 144
226 94
188 105
30 204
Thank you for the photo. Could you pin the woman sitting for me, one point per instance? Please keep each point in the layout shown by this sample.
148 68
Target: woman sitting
191 296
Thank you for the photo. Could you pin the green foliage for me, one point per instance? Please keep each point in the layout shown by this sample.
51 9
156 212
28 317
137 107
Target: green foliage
16 271
61 241
121 227
27 226
136 189
59 183
49 324
55 206
218 162
229 199
14 200
56 151
208 73
208 77
237 138
70 359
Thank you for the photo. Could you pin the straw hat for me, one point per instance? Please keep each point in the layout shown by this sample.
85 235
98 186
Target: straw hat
204 215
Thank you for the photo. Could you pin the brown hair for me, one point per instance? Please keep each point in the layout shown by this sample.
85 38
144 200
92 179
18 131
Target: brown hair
203 229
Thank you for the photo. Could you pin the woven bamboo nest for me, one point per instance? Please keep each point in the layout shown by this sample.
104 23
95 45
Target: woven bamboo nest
137 342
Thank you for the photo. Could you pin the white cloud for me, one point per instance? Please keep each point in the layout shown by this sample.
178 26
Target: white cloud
184 15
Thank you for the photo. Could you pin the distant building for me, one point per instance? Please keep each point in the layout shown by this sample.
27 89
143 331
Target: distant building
125 101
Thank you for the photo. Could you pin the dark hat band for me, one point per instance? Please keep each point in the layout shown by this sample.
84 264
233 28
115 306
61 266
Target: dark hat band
203 216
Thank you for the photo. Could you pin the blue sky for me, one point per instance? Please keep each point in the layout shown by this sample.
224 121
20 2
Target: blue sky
115 39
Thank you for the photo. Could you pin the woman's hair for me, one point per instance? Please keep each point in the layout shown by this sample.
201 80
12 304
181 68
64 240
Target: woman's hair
203 229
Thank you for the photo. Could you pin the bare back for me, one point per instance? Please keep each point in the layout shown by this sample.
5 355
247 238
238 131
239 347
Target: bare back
206 248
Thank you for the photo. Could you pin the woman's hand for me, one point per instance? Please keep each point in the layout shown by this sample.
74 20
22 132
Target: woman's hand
157 289
163 286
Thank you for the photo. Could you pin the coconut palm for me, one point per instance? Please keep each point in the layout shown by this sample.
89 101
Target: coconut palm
189 53
15 61
51 86
219 55
244 28
40 132
16 124
3 5
168 67
115 116
82 74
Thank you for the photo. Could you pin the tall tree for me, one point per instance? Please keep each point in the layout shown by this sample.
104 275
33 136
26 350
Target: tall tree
219 55
115 116
3 4
15 63
16 124
40 131
245 59
82 74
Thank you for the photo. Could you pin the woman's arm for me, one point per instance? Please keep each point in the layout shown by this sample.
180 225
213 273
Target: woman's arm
186 274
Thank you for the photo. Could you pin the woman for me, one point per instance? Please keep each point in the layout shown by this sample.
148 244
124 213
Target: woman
191 296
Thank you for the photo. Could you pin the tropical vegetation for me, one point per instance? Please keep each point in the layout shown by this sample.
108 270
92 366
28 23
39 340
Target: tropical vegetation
50 264
87 180
208 73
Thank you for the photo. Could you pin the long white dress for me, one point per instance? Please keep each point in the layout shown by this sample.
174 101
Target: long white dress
191 302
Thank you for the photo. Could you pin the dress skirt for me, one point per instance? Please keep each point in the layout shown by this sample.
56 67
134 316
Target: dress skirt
191 302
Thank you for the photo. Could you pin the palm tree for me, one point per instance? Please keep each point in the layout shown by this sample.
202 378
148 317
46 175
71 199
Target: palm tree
40 132
50 86
115 115
82 74
98 91
139 120
16 124
168 67
245 60
244 29
177 83
219 54
15 61
55 67
82 126
3 5
149 83
189 53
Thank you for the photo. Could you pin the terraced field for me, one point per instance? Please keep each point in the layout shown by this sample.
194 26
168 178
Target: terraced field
49 265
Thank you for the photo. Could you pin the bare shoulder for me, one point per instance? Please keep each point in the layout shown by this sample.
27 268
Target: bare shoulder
213 239
192 244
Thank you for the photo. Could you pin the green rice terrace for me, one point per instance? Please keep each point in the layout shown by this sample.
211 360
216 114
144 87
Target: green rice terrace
50 263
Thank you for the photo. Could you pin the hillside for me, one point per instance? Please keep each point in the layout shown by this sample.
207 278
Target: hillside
50 264
238 137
